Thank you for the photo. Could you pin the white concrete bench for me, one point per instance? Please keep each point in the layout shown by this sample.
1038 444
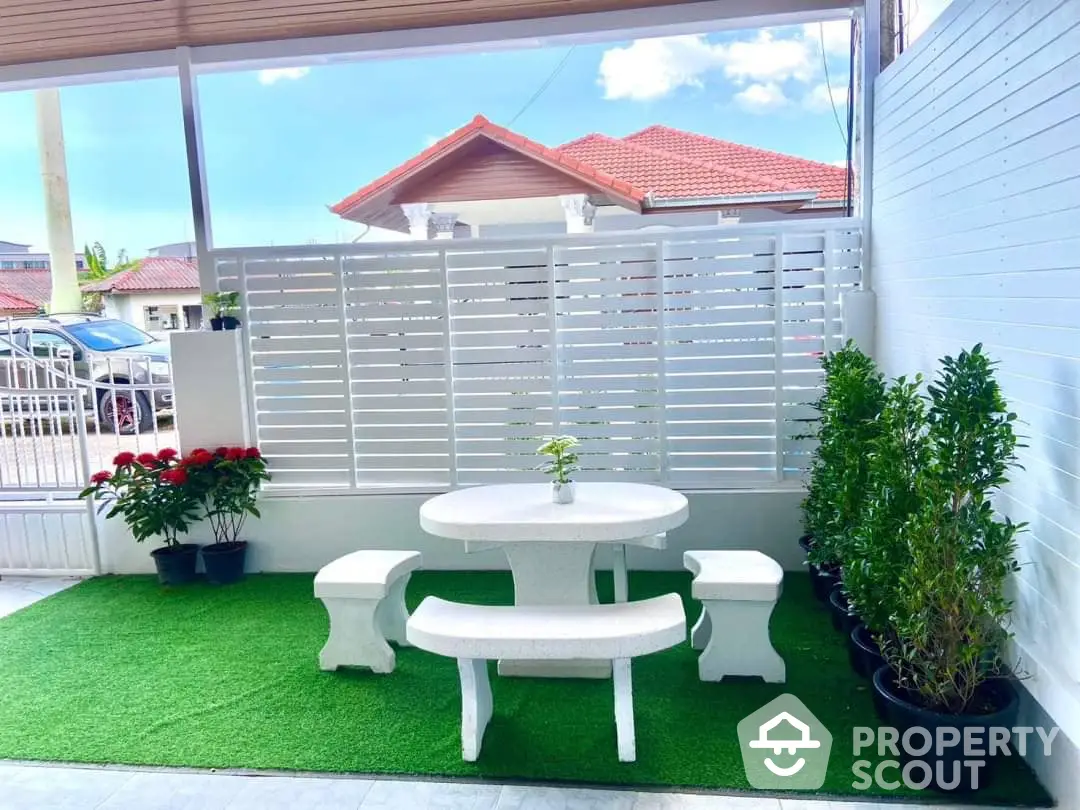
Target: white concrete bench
364 593
738 591
475 634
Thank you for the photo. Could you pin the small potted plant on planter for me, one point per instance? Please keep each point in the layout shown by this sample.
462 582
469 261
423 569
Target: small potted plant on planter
949 615
562 465
150 493
224 307
227 483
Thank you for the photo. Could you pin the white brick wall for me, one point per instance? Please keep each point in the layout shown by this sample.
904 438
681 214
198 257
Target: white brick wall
976 237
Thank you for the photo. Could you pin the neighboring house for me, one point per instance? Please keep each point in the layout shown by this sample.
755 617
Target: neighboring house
30 287
484 180
14 305
158 295
175 250
16 256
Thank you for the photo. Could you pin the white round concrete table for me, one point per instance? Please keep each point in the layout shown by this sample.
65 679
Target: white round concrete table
551 546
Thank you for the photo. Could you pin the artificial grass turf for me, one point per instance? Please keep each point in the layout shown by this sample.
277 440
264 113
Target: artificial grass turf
121 670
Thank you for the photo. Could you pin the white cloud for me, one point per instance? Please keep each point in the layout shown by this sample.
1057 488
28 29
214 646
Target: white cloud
273 75
836 34
768 59
648 69
819 99
761 98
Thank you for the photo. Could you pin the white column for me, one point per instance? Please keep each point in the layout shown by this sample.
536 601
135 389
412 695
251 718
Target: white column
65 280
419 216
579 213
210 389
444 225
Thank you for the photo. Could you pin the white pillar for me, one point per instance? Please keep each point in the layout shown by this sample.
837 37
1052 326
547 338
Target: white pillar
579 213
66 296
210 391
419 216
444 225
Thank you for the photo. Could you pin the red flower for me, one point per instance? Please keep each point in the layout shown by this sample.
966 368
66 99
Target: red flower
235 453
221 451
199 451
167 454
123 459
100 477
177 476
146 459
253 452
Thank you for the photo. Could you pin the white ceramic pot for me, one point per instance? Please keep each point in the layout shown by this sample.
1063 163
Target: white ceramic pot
562 493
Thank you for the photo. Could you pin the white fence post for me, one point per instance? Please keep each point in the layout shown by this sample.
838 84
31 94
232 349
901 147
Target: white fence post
210 389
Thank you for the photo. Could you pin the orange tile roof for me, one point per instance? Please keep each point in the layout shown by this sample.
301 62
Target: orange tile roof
33 286
657 163
828 181
13 303
153 274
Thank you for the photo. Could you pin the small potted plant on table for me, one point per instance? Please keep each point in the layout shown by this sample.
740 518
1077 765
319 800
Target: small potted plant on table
227 482
562 465
225 306
151 493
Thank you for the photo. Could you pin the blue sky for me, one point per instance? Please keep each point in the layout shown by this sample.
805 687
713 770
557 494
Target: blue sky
282 145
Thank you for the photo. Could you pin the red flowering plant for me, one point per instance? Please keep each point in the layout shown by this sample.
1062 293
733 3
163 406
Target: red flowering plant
226 482
150 492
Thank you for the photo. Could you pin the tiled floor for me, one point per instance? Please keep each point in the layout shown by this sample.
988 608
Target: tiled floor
19 592
33 786
47 787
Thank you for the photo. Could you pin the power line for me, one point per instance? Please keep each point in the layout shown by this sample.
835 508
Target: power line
544 86
828 86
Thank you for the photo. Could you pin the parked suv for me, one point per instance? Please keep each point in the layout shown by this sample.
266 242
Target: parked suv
101 350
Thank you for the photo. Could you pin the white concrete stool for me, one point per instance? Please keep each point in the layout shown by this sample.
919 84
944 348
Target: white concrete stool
474 634
738 591
364 593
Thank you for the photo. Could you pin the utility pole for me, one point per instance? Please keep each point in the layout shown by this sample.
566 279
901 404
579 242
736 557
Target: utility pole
888 32
66 296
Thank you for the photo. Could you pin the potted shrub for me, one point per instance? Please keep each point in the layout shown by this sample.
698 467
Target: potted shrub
224 307
877 557
227 483
150 493
948 621
854 391
562 465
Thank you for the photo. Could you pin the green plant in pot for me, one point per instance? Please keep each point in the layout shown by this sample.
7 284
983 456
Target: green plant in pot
852 397
224 308
227 483
877 555
948 613
562 465
151 493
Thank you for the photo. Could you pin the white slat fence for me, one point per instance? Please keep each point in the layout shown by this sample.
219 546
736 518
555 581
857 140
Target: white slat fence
687 356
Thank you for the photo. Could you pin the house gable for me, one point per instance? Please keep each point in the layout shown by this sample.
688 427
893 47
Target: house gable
489 171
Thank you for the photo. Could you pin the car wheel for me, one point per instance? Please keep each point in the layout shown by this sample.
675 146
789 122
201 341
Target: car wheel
125 412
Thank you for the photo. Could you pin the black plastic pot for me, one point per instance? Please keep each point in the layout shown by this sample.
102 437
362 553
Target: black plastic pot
948 770
843 617
863 652
823 581
227 323
806 542
224 562
176 564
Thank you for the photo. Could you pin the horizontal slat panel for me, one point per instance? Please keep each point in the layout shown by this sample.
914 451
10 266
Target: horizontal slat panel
708 340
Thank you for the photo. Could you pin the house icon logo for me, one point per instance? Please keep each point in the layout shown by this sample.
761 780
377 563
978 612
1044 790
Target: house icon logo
784 746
